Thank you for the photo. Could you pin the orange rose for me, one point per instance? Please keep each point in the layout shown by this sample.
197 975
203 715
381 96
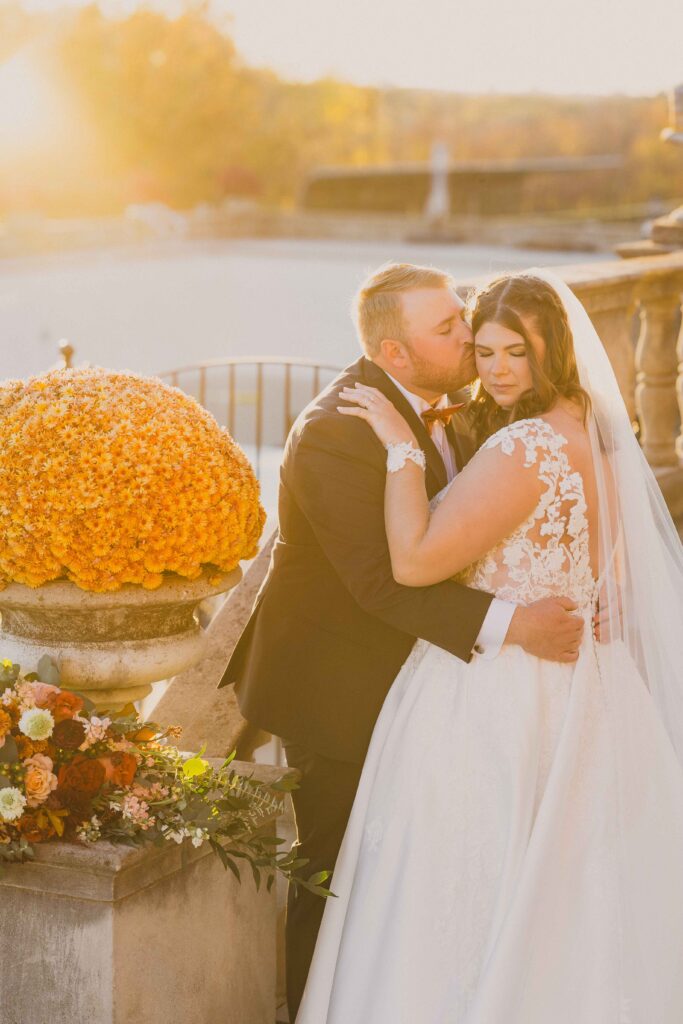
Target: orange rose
119 767
84 775
39 780
64 704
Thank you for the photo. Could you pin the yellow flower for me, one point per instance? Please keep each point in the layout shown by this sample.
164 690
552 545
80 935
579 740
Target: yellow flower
110 478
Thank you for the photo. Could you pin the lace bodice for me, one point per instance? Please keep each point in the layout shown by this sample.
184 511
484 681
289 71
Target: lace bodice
549 553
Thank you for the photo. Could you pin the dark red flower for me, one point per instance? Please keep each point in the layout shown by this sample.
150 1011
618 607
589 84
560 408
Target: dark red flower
68 734
83 774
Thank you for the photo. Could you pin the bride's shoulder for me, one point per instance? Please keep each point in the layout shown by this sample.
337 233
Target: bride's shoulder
528 436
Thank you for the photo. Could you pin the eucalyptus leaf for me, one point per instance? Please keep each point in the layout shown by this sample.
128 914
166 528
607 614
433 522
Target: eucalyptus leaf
321 876
48 671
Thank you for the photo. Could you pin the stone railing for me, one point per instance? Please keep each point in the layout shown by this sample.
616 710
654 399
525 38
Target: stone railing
647 360
636 307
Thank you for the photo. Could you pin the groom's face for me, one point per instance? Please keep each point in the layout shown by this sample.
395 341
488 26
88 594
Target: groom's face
439 348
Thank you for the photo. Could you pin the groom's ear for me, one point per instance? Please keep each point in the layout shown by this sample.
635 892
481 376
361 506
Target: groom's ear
394 353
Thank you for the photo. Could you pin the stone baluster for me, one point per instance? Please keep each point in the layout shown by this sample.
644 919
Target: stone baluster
656 369
679 390
611 306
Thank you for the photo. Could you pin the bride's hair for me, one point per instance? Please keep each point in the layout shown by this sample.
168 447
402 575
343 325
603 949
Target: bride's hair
513 301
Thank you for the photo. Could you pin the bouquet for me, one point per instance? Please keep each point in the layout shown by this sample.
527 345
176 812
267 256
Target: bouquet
67 773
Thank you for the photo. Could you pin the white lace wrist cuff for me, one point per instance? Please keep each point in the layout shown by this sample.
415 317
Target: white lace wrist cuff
399 454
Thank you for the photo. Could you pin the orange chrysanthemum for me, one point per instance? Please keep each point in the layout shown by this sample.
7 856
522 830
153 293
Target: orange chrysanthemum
109 478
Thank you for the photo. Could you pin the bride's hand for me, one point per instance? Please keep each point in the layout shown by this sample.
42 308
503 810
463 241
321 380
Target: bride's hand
371 405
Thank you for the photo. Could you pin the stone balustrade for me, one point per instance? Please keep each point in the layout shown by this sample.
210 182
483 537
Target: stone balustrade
649 371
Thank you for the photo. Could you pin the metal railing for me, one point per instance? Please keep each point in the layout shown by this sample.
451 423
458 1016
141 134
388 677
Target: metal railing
256 397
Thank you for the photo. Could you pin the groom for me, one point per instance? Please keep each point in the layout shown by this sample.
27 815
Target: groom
331 628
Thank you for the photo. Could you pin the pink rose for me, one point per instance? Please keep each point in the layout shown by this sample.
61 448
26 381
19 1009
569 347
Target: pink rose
41 692
39 779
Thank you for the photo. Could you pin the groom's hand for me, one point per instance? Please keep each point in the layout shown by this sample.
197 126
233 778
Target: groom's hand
548 629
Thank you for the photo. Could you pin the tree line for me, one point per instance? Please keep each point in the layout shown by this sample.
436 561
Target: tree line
165 109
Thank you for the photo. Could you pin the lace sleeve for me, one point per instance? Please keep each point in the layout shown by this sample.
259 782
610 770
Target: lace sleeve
492 497
536 436
548 553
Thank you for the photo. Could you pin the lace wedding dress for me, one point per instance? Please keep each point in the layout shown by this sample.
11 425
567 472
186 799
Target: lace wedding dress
515 850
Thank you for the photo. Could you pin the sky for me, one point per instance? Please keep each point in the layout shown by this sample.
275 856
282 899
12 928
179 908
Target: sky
565 46
552 46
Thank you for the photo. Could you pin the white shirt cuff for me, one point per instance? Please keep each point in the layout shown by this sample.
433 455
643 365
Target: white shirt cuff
494 629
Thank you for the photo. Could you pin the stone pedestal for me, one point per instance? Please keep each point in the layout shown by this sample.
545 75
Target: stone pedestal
116 935
113 645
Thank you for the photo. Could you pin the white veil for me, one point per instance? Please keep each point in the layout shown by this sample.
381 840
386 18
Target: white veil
640 590
641 556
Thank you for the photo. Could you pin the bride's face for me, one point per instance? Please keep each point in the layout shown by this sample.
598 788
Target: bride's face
502 362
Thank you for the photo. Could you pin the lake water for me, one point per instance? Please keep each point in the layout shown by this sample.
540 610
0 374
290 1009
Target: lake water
156 308
159 307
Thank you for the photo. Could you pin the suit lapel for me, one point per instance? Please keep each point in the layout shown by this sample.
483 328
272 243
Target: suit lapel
377 378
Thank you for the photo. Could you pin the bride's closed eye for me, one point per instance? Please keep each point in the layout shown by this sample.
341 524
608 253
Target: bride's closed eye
484 353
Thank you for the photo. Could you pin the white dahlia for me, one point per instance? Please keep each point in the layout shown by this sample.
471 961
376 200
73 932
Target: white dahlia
37 723
12 803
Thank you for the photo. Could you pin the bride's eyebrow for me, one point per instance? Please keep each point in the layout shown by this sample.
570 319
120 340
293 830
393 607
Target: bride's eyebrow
515 344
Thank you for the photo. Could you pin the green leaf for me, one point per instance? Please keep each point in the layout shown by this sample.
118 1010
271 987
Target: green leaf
48 670
8 751
321 876
195 766
229 759
233 867
9 672
272 840
286 784
318 890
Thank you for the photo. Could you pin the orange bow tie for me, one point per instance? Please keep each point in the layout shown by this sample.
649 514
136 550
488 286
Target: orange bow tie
431 416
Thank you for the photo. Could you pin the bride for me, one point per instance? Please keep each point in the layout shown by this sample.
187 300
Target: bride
515 850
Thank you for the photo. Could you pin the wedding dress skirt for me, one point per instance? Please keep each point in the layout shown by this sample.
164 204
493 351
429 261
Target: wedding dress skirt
514 854
480 878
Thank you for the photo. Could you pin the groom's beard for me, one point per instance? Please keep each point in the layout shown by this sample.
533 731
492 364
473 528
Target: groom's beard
440 379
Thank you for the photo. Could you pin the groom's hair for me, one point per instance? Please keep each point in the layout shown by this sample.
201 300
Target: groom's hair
378 310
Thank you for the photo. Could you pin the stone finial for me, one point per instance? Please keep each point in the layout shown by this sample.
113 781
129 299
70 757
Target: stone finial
66 350
674 132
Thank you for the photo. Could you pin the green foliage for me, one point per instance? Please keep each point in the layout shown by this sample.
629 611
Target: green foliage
48 672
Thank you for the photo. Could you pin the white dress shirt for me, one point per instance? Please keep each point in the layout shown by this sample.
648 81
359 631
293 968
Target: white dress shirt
497 621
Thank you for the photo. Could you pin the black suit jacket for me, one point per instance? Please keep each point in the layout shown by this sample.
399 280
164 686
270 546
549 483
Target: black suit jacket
330 627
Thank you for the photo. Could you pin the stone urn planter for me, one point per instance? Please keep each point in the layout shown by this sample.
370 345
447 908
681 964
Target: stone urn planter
109 646
123 506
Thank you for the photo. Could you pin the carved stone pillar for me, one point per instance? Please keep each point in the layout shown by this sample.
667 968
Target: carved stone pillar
679 390
611 306
656 371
